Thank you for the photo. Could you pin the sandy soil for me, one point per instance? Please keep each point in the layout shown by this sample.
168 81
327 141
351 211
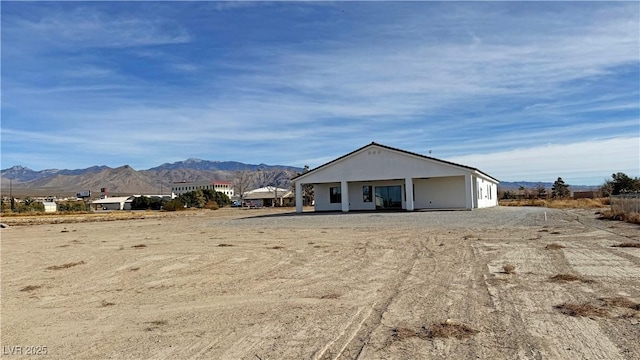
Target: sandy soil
261 284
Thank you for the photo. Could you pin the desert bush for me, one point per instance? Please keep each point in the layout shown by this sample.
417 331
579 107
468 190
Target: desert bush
554 246
569 277
173 205
586 310
509 268
72 206
449 329
627 245
632 217
211 205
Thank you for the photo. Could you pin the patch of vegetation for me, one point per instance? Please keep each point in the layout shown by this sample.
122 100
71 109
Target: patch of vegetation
554 246
581 310
224 245
620 302
631 217
106 303
139 246
449 329
330 296
156 324
445 329
399 334
627 245
31 288
509 268
65 266
134 269
569 278
277 247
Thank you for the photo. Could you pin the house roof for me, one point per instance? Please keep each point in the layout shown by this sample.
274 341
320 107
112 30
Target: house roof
373 143
267 193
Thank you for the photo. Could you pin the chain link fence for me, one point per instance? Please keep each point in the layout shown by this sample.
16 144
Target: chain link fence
626 203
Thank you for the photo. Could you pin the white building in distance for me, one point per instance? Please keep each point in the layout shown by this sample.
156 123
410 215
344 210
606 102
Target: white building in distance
379 177
179 188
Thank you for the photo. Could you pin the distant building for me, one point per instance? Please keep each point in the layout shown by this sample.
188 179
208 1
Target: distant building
225 187
50 206
585 194
113 203
270 196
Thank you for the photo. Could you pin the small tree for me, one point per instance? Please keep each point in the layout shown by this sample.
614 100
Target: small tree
623 184
560 190
241 183
540 191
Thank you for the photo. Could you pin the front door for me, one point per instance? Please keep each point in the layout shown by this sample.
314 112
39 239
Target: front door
389 197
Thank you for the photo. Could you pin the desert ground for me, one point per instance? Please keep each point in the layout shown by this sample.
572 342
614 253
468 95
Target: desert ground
269 284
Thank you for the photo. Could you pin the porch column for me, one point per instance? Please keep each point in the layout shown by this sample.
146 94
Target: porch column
408 189
298 197
344 190
469 194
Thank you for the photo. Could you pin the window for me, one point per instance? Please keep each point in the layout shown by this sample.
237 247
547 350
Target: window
366 193
335 195
489 191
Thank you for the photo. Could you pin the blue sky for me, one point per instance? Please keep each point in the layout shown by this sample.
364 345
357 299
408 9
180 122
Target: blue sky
521 90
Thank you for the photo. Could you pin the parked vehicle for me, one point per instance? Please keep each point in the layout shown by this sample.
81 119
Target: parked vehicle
249 204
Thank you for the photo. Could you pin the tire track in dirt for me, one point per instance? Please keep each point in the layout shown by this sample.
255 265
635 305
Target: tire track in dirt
357 333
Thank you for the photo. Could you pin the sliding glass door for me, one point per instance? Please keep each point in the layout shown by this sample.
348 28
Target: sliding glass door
389 197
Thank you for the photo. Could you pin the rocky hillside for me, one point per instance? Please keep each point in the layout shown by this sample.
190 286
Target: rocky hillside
22 181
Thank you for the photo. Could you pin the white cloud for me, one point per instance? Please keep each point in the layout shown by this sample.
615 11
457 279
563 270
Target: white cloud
580 163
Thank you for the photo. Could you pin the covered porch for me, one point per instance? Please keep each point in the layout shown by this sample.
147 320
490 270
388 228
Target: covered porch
446 192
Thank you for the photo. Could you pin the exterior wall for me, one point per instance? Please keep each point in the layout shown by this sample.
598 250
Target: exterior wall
50 207
486 192
112 206
375 163
440 193
321 197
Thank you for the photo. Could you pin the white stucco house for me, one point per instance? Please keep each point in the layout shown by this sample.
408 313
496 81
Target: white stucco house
378 177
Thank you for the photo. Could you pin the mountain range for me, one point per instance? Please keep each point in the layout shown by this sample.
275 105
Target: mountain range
22 181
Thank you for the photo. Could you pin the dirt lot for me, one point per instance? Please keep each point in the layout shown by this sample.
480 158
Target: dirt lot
262 284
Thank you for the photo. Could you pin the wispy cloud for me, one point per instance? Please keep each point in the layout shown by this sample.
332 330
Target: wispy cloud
303 83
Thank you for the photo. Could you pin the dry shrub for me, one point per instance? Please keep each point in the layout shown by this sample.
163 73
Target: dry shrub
134 269
140 246
627 245
400 334
554 246
632 217
558 203
620 302
31 287
106 303
509 268
211 205
277 247
65 266
224 245
586 310
448 329
159 322
569 277
330 296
